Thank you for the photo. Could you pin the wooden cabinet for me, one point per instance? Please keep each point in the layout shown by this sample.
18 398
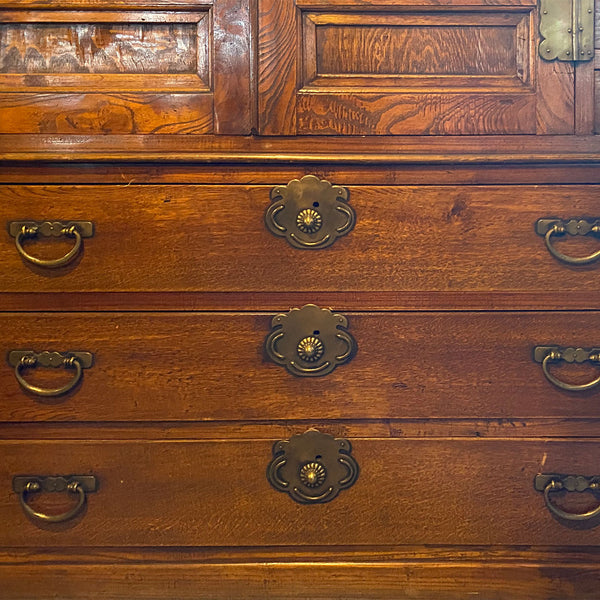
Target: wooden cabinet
178 179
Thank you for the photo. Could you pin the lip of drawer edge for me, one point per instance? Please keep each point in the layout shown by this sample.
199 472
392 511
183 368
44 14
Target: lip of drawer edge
216 494
431 238
213 366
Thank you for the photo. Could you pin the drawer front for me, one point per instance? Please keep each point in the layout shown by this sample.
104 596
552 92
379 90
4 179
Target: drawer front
214 238
125 71
215 493
207 366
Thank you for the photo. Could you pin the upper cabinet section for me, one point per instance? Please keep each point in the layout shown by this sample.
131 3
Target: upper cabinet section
409 67
185 70
104 67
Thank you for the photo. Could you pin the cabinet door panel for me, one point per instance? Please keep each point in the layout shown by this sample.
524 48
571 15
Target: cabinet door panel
408 69
165 71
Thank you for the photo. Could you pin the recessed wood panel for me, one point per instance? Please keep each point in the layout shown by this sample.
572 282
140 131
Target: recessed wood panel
99 48
413 69
124 71
416 50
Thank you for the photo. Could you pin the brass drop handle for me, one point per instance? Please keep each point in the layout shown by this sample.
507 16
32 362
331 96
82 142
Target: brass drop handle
74 484
549 483
27 359
556 227
22 230
551 354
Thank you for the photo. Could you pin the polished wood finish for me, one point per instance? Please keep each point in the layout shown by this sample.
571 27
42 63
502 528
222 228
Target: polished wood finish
206 367
414 239
214 493
126 72
168 122
426 73
392 581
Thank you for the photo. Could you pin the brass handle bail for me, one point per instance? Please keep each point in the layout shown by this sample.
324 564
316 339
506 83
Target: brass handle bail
28 359
549 483
550 228
22 230
74 484
552 354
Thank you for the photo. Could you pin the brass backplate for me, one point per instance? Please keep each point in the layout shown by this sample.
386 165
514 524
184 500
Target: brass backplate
309 213
574 226
310 341
570 483
51 359
569 355
55 483
312 467
52 228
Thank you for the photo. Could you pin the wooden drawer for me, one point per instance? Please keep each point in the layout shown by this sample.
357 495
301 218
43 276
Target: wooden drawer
214 238
215 493
211 366
166 71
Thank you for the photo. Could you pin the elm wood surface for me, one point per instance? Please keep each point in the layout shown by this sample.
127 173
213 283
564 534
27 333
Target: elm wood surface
301 92
215 493
213 239
330 150
126 72
567 428
274 174
212 366
311 580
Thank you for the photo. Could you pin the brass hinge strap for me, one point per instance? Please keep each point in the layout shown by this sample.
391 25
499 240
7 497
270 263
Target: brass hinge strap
567 30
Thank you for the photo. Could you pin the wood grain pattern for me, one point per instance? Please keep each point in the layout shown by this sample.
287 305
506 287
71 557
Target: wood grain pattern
98 48
398 580
212 366
273 174
189 493
70 62
432 238
327 151
342 93
30 113
416 44
414 114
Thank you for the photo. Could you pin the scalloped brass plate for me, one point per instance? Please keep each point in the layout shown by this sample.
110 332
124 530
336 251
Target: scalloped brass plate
310 341
312 467
309 213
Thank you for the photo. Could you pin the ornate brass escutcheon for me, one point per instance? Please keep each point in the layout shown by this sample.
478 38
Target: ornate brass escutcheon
22 230
74 484
29 359
567 30
545 355
309 213
553 482
312 467
310 341
550 228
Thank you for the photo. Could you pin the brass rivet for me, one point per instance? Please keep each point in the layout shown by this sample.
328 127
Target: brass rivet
548 50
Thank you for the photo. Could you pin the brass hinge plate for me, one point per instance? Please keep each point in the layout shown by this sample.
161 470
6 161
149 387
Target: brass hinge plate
567 30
